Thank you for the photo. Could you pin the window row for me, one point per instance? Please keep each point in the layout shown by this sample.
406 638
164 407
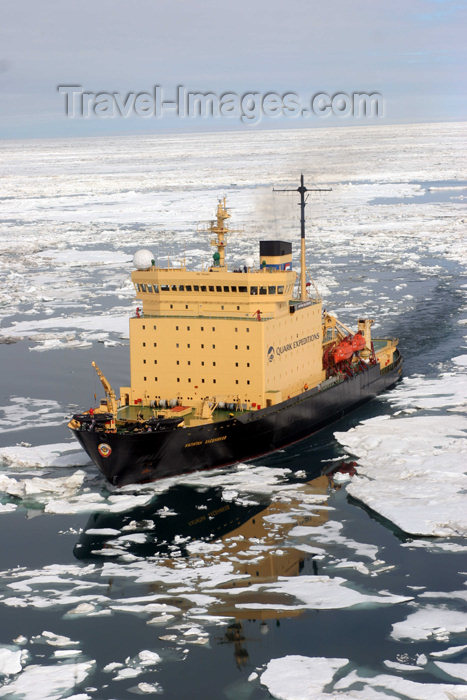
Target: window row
247 364
254 290
188 328
203 381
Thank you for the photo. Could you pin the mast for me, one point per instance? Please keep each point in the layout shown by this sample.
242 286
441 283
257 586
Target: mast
221 230
302 190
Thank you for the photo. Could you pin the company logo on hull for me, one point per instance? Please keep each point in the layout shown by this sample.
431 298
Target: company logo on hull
104 449
291 346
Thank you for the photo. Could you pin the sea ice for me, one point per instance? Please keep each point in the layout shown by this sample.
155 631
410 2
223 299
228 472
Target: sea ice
453 669
411 471
430 622
316 593
25 412
62 454
10 661
389 685
297 677
450 651
47 682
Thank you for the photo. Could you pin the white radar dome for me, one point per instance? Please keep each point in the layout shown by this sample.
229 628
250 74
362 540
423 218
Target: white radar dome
249 262
142 259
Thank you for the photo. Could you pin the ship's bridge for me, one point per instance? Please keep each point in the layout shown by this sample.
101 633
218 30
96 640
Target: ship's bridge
178 292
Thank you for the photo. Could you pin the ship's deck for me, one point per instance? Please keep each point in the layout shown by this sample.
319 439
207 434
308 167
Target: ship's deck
135 413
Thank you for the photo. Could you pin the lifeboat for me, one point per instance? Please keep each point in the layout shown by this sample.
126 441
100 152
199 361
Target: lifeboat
347 347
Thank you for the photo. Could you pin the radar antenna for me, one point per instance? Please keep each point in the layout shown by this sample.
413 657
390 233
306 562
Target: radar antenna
302 189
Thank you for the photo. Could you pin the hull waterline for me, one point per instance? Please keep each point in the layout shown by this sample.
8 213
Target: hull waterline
147 456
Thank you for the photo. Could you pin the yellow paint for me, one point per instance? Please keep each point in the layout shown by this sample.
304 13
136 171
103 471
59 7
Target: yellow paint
217 336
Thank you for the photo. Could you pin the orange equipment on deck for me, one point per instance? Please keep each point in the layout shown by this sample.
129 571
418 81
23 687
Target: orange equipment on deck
347 347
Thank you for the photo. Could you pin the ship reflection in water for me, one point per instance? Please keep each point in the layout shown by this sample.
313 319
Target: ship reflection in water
199 524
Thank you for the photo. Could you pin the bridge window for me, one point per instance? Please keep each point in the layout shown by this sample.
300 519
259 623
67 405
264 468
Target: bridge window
211 288
156 288
226 289
272 290
196 287
181 288
164 287
280 289
188 288
143 287
263 290
150 288
234 289
203 287
253 290
243 290
218 288
174 288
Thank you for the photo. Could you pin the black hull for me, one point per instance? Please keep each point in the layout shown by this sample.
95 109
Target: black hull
146 456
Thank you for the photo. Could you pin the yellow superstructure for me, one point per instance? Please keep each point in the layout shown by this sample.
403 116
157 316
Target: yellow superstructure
233 336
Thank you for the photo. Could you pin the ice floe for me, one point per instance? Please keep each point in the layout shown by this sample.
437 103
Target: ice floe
297 677
316 593
47 682
23 413
10 661
383 686
456 670
411 471
430 622
61 454
450 651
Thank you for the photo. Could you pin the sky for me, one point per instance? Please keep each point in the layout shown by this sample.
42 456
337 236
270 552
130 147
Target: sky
411 52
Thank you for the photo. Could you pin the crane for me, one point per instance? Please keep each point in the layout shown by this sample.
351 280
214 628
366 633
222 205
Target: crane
109 392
